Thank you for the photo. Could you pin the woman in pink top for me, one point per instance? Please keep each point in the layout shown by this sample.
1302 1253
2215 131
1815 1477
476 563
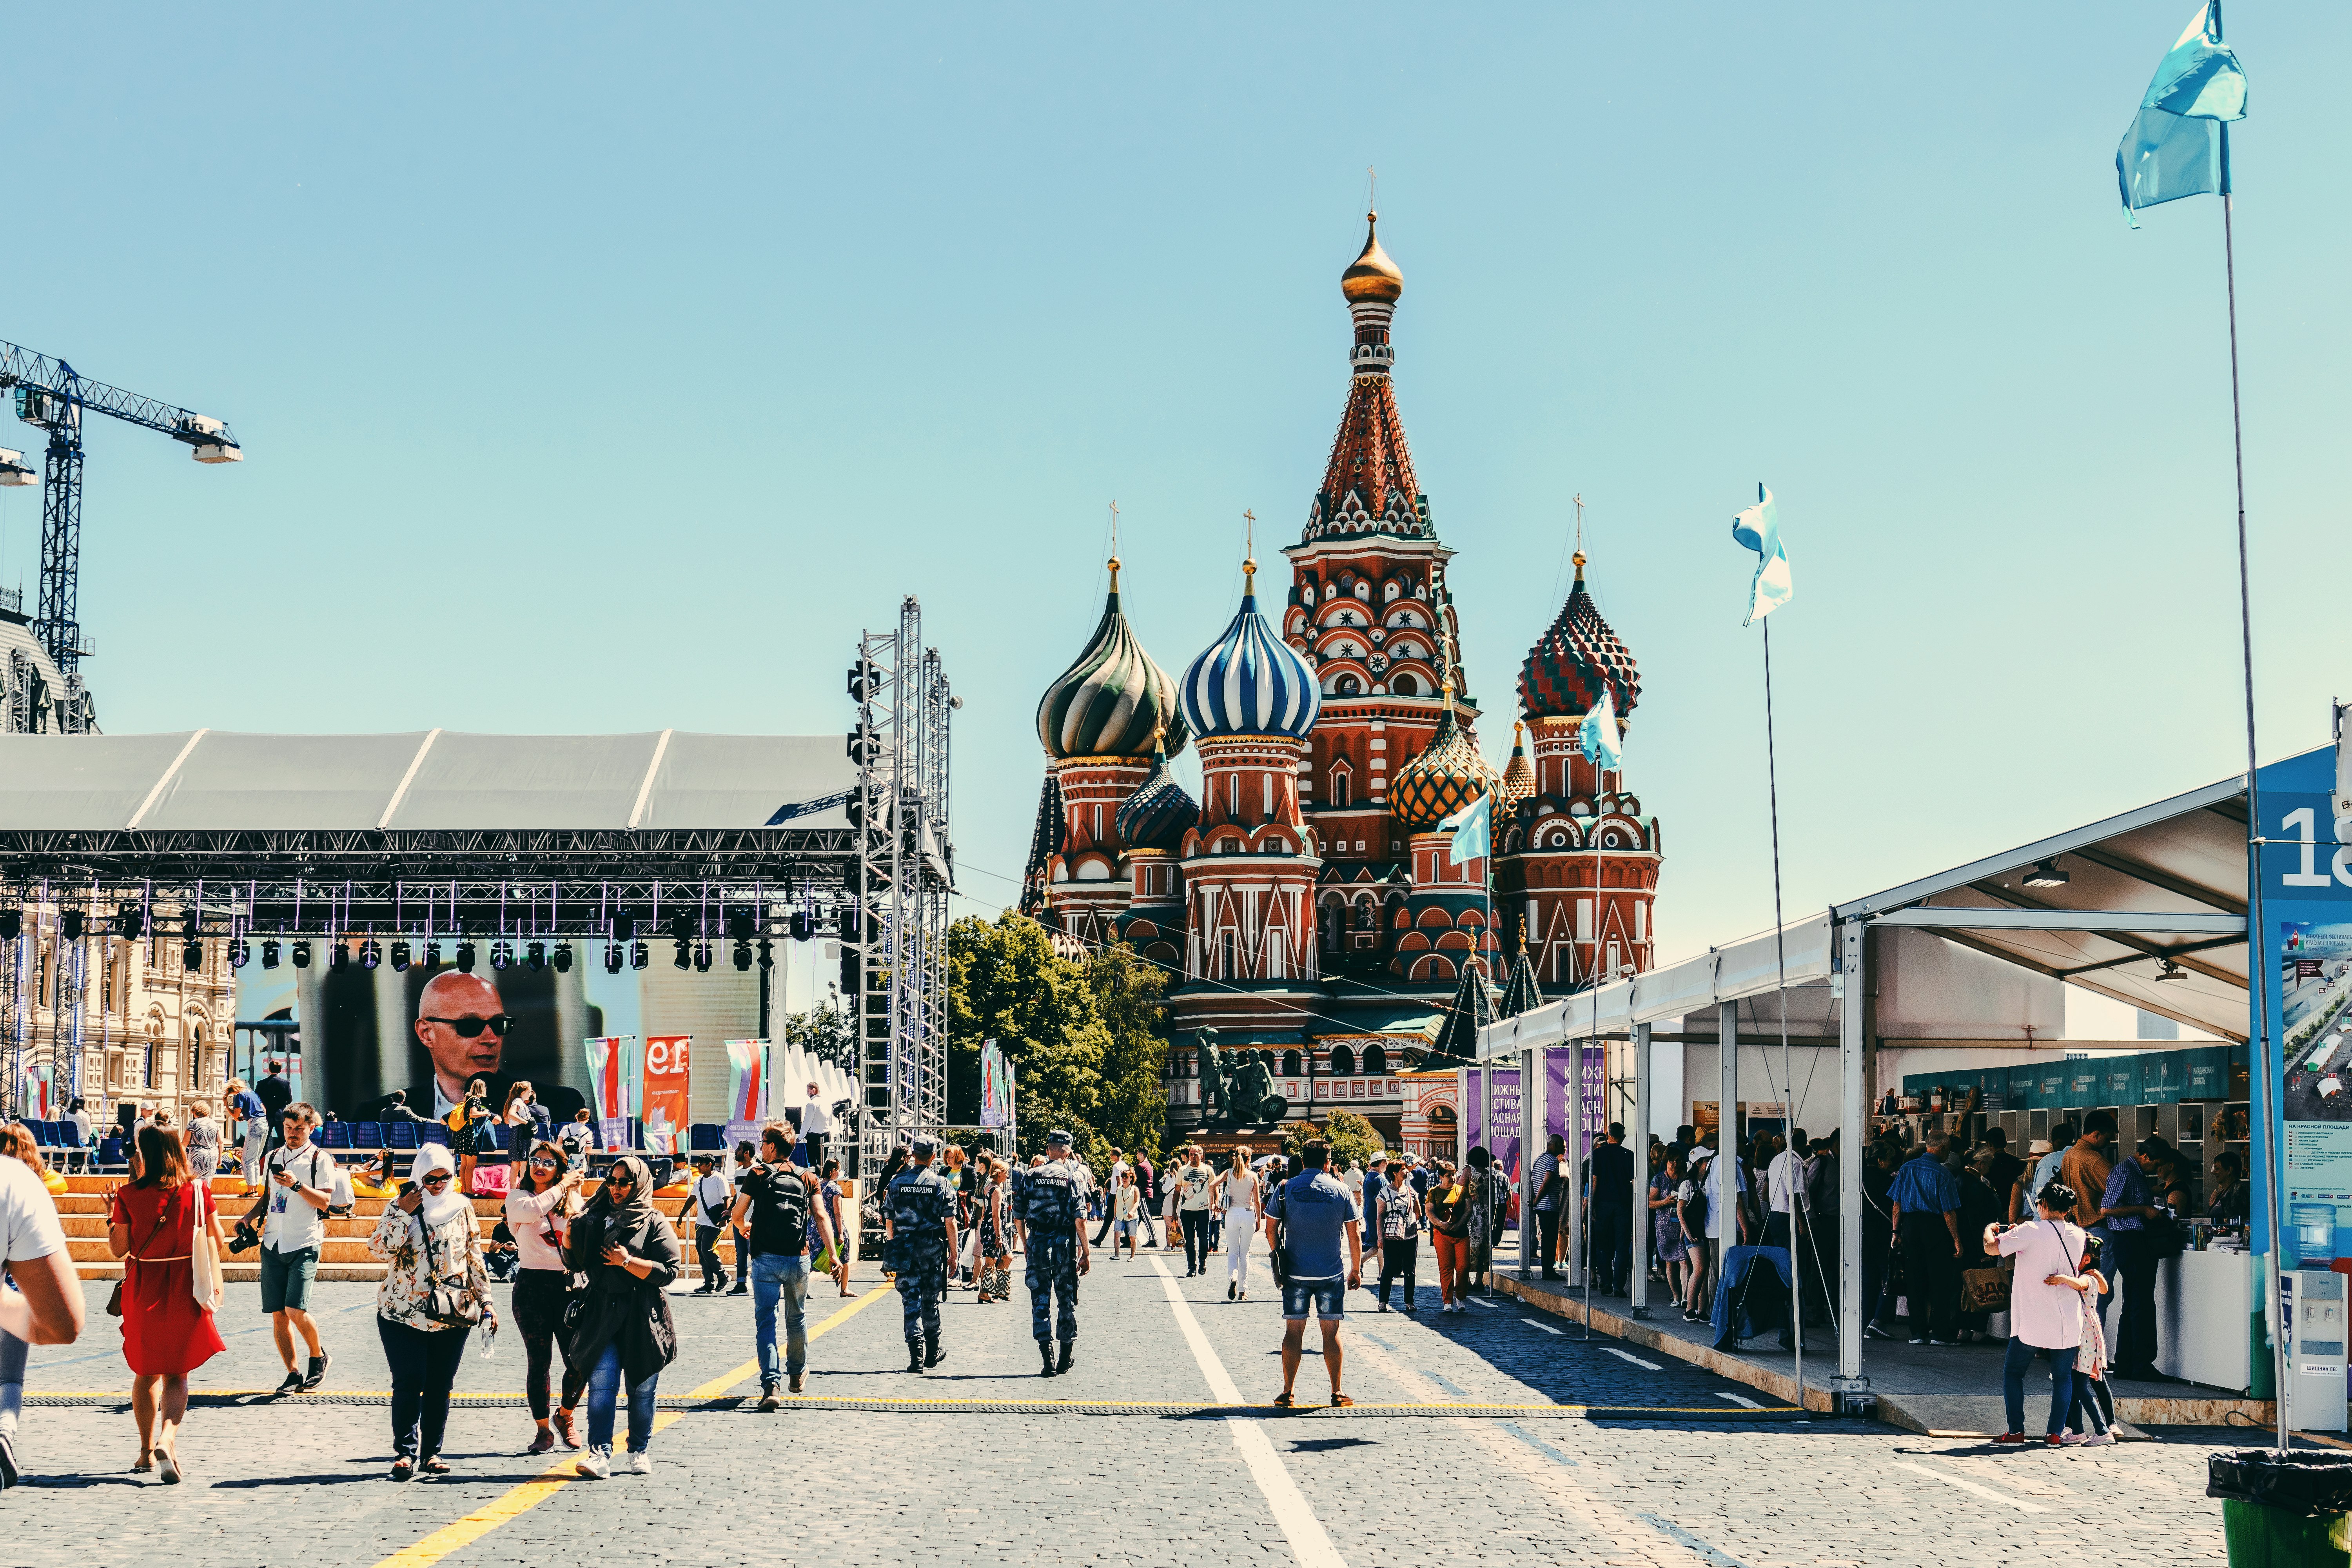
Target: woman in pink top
538 1211
2046 1305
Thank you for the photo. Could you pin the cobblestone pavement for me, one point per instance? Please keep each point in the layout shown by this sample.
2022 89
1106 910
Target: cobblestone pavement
302 1481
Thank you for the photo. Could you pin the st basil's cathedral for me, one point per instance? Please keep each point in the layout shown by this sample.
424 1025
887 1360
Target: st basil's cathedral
1306 906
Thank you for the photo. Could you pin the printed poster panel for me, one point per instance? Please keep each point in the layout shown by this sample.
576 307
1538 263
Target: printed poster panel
1504 1094
666 1056
2307 963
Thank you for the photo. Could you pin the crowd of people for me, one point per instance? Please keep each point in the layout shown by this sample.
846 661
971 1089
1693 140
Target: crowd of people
589 1260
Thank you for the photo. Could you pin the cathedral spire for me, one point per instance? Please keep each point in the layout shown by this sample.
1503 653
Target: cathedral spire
1369 485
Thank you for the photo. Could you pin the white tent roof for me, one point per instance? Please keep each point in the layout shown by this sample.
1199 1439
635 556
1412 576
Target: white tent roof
219 780
2181 861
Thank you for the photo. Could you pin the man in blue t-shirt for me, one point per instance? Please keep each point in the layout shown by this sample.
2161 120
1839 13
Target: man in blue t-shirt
1306 1217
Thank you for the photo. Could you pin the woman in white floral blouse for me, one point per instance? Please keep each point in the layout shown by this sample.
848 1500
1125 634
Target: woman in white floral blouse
430 1237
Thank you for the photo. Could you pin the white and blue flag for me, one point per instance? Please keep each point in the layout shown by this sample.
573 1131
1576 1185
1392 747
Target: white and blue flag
2175 147
1603 742
1472 829
1758 529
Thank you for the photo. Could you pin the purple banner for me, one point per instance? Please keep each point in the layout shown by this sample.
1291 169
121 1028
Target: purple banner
1504 1142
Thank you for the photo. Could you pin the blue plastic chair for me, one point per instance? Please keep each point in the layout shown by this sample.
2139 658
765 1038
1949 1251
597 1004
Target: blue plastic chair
367 1134
706 1137
335 1135
401 1135
430 1133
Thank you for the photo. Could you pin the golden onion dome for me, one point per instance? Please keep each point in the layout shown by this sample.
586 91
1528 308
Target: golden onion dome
1372 276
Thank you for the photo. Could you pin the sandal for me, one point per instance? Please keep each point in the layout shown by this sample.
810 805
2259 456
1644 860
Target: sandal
404 1469
146 1460
1340 1402
1284 1399
436 1466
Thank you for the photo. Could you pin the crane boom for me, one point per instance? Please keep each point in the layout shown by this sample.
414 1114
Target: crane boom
52 395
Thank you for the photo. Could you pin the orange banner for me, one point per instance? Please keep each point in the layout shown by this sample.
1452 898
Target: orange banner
666 1058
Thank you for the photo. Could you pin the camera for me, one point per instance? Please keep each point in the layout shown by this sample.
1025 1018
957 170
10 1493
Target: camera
243 1238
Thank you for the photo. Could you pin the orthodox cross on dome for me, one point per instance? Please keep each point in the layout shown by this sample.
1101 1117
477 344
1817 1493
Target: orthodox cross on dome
1369 485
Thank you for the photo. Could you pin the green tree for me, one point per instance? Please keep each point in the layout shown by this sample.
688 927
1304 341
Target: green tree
1086 1040
1350 1137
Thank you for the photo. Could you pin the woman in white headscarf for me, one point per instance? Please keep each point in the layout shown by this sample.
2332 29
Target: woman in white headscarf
435 1290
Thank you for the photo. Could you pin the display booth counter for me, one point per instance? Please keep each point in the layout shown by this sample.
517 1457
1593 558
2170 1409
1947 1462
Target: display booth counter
2204 1304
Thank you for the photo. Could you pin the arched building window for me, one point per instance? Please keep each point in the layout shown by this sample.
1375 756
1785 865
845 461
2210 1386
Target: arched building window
1376 1061
1343 1060
1290 1064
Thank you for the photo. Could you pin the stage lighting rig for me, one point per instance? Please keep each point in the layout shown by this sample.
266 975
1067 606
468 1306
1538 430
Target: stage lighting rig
465 958
302 952
269 953
535 955
563 958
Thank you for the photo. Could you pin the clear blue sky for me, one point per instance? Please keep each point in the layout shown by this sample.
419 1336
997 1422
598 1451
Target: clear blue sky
603 368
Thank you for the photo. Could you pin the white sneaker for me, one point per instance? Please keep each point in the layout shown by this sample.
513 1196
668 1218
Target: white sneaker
2071 1439
598 1462
2098 1439
640 1462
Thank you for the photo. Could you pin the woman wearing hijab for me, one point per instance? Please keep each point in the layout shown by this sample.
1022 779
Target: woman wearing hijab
625 1334
436 1287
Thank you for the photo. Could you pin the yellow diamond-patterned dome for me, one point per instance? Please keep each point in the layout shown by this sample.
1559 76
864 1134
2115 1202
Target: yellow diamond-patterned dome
1448 775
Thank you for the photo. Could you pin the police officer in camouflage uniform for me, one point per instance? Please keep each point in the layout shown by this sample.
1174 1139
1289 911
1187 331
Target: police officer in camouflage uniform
919 1219
1057 1251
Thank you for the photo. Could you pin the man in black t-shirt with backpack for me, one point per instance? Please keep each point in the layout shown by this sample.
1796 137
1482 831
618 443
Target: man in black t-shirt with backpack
785 1212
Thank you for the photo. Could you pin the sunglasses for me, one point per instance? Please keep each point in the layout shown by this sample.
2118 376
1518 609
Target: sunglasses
541 1162
620 1181
436 1179
500 1024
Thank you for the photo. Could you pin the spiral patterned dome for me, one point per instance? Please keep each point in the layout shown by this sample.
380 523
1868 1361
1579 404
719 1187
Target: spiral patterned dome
1446 776
1157 814
1112 697
1574 659
1251 682
1518 778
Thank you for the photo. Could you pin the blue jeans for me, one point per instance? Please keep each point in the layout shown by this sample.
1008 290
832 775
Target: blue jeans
2062 1382
604 1396
775 1275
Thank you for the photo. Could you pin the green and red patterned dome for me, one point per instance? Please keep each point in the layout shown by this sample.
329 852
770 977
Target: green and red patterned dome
1575 660
1447 775
1112 697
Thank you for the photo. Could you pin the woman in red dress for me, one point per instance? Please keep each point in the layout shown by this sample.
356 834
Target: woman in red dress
167 1334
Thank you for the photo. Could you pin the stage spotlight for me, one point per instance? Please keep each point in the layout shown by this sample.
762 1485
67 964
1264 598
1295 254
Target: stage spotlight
767 953
639 955
702 958
684 957
500 954
239 956
802 925
337 956
432 955
625 926
302 953
192 957
742 956
465 958
370 953
849 923
613 958
563 958
130 922
536 956
400 955
12 924
69 925
269 953
742 922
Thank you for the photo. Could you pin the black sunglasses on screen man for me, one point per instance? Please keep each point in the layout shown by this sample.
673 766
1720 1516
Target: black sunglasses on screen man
501 1024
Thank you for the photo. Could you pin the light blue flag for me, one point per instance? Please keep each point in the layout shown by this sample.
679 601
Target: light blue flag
2175 147
1471 835
1603 742
1758 527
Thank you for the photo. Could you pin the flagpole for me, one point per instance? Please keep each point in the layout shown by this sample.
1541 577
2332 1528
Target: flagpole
1788 1075
2259 983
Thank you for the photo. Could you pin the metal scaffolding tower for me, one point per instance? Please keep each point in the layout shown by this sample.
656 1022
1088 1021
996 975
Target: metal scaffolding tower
897 922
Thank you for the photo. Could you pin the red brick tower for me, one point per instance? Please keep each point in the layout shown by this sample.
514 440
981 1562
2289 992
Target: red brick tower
1576 856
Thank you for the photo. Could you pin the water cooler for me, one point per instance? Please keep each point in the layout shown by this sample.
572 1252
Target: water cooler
2311 1312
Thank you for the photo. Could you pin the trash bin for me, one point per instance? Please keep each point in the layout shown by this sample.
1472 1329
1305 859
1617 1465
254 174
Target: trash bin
2291 1510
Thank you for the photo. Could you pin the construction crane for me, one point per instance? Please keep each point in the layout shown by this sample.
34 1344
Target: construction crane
52 396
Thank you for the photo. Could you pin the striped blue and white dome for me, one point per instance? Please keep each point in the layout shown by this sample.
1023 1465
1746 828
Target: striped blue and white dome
1250 682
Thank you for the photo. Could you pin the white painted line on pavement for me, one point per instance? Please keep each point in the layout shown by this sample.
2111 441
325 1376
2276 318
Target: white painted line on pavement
1628 1355
2006 1498
1538 1323
1308 1542
1739 1399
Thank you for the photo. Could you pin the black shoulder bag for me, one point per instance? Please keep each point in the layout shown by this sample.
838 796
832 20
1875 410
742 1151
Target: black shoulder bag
449 1305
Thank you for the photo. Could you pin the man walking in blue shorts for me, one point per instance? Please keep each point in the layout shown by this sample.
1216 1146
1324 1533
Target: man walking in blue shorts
1305 1216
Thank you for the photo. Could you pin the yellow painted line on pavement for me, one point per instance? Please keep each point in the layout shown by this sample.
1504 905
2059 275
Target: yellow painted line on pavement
531 1493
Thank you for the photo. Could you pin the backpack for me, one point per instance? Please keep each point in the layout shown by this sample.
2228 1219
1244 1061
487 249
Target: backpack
1696 1218
784 1198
